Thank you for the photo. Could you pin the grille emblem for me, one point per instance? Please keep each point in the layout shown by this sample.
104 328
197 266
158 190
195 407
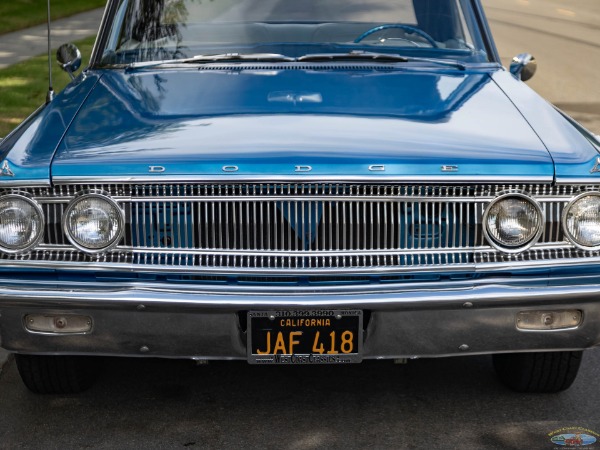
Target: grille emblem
304 221
5 170
156 169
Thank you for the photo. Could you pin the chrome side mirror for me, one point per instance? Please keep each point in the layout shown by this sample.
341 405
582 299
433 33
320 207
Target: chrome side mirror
68 57
523 66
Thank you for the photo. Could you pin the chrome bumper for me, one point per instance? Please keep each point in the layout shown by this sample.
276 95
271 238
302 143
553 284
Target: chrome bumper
132 319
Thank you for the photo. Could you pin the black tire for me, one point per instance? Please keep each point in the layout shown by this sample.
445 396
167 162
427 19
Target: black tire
57 374
539 371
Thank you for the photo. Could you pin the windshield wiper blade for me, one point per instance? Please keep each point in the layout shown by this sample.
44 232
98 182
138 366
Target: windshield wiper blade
375 56
266 57
200 59
441 62
353 55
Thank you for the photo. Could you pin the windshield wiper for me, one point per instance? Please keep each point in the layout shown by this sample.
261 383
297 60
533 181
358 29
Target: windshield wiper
353 55
266 57
374 56
441 62
199 59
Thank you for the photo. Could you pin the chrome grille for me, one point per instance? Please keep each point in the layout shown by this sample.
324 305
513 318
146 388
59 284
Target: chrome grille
287 227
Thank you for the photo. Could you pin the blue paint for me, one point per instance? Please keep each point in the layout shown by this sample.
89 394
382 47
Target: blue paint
195 122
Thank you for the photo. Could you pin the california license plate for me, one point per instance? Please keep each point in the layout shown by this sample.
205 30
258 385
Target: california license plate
305 337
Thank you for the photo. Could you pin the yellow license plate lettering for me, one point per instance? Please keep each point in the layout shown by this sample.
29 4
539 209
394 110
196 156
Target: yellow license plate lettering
332 351
347 344
318 347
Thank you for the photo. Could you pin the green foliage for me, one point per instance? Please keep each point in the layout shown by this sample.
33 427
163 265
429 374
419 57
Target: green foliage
23 86
19 14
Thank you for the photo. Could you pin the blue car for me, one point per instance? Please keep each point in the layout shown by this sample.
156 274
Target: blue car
298 182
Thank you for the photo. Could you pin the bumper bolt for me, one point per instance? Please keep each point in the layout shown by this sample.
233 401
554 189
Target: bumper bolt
464 347
144 349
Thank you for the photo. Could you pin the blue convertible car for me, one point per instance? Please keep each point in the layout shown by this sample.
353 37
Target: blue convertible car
298 182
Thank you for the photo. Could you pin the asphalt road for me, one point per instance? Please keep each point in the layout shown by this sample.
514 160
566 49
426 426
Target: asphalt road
444 403
433 404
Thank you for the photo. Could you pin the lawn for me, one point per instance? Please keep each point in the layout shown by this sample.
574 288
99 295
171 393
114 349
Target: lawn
23 87
18 14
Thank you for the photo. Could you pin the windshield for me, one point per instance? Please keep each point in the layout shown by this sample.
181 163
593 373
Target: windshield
159 30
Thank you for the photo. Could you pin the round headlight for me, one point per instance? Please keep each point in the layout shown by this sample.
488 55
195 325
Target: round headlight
581 221
512 222
93 223
21 223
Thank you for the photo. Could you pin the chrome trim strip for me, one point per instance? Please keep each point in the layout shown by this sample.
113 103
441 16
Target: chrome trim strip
454 286
482 249
348 199
228 178
578 181
7 184
456 267
175 299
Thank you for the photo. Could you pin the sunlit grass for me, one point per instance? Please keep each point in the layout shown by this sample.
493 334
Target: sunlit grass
23 87
18 14
12 82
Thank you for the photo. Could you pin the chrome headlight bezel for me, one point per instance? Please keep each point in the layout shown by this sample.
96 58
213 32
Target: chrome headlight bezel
507 248
40 234
565 212
120 221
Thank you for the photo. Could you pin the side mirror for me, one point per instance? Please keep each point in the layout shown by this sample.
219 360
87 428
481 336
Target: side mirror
523 66
68 57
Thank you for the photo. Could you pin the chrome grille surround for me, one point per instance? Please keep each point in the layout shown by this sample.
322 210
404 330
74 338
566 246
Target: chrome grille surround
300 228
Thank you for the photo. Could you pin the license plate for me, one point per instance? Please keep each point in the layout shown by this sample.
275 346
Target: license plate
305 337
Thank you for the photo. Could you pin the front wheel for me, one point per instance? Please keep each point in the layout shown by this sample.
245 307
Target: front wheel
538 371
45 374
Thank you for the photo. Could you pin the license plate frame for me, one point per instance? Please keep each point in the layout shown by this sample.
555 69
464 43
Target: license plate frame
314 336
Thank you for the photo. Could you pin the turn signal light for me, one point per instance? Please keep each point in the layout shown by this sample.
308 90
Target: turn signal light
549 320
59 324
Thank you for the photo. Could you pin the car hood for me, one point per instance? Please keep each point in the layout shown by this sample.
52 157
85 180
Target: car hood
330 123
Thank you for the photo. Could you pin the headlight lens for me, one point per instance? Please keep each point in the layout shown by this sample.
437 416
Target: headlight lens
513 222
581 221
21 223
93 222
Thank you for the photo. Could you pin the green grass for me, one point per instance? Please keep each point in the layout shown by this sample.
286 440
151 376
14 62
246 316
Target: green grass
23 87
18 14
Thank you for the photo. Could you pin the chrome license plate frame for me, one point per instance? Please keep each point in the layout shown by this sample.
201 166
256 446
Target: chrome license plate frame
305 336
